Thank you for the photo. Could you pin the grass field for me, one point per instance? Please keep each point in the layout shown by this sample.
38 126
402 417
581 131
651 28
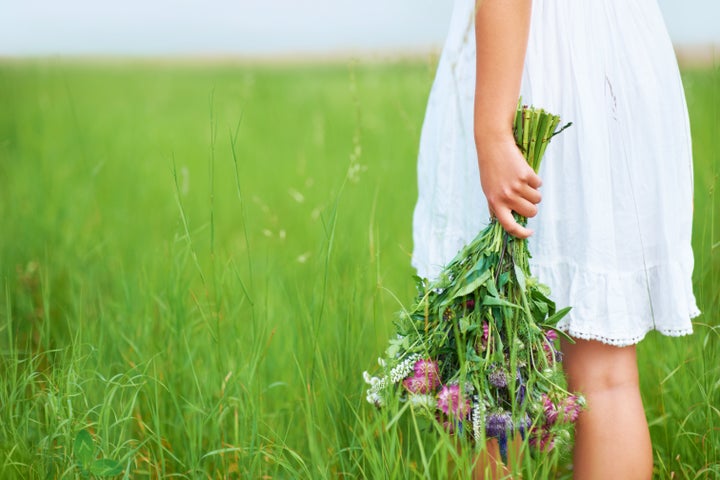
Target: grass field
197 261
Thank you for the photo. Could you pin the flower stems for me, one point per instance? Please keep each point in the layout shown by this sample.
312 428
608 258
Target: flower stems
487 327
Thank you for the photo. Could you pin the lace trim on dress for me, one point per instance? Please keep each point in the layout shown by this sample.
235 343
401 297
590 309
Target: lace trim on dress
627 341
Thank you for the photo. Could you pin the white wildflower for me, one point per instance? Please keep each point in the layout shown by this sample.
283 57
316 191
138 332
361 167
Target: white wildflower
375 399
377 384
478 418
420 400
403 369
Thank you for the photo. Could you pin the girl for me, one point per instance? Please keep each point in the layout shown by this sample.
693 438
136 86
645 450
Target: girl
612 238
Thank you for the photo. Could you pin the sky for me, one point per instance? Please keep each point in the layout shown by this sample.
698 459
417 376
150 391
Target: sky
261 27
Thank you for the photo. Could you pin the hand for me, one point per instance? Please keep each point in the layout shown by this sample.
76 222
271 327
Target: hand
509 183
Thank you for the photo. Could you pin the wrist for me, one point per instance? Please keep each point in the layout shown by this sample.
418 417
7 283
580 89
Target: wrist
489 138
489 129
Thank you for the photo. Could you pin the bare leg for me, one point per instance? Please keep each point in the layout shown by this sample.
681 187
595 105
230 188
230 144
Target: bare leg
612 439
490 465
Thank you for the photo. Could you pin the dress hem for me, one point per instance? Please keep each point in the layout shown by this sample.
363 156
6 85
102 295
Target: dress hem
627 341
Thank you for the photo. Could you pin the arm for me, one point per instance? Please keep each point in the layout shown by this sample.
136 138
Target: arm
509 183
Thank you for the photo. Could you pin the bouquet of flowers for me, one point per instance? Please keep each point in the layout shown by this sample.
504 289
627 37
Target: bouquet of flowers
477 349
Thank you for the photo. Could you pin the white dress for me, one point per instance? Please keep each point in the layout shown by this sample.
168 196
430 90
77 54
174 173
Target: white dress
612 236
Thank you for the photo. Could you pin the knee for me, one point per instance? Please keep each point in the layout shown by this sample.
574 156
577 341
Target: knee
593 366
598 379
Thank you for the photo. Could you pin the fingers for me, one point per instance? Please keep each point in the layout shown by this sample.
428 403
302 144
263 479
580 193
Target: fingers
524 208
533 179
509 183
506 219
531 194
524 203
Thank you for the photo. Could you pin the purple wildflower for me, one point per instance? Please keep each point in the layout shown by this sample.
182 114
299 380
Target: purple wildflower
550 410
470 304
451 401
571 407
497 424
542 440
551 335
498 378
426 378
524 425
485 335
417 385
428 369
549 350
551 353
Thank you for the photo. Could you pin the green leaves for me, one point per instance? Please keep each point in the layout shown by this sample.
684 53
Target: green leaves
105 467
84 447
484 314
472 282
84 452
489 301
467 325
520 277
553 319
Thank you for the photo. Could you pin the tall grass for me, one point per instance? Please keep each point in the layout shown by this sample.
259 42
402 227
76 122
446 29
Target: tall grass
198 261
680 377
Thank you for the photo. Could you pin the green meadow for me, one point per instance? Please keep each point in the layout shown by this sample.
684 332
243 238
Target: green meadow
199 259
